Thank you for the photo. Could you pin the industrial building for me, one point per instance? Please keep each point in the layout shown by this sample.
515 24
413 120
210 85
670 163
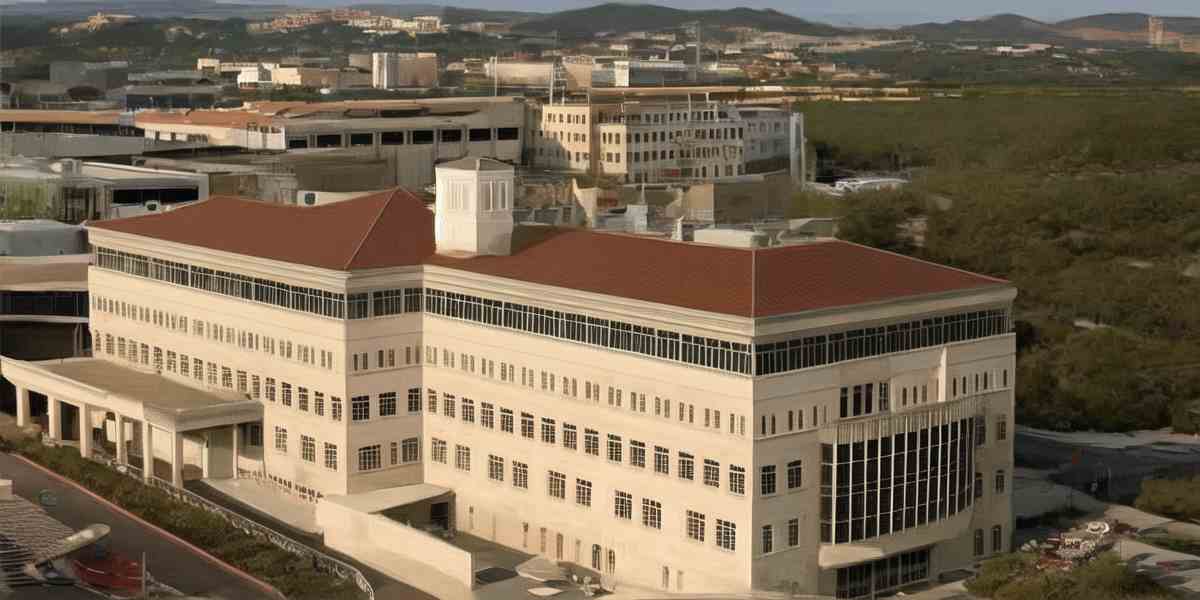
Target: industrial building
74 191
820 418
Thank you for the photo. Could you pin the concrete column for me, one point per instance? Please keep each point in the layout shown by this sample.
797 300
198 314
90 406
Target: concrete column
147 450
22 407
122 450
85 430
177 459
237 443
54 418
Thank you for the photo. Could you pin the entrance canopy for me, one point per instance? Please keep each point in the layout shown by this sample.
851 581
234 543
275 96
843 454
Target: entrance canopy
381 500
109 385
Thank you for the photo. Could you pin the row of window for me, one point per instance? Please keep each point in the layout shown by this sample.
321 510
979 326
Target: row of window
400 137
623 505
617 397
403 452
639 453
711 353
254 386
308 449
817 350
243 339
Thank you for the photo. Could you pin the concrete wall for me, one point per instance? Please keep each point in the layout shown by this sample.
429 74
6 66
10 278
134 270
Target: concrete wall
410 555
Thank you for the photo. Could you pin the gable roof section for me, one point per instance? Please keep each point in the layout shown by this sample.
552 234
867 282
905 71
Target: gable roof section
386 229
734 281
393 229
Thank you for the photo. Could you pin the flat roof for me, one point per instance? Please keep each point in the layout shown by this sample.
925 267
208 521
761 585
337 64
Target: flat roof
74 117
31 276
150 389
381 500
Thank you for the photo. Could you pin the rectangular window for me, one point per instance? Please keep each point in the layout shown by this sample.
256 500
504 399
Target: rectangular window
614 448
370 458
447 405
662 460
737 480
335 408
726 535
360 408
794 473
687 466
410 450
468 410
520 475
556 485
438 450
331 456
583 492
308 448
495 468
712 473
768 539
569 436
487 415
695 525
793 532
286 389
506 420
281 439
651 513
548 430
591 442
622 505
462 458
637 454
527 425
767 480
302 398
414 400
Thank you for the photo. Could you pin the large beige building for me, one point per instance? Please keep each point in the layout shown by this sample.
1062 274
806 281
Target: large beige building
688 418
657 141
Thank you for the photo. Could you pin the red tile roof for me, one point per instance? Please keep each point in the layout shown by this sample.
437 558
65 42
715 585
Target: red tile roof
385 229
391 229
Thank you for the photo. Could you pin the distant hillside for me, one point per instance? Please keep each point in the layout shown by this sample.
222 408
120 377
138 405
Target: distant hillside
1000 28
586 22
1131 23
147 9
1122 28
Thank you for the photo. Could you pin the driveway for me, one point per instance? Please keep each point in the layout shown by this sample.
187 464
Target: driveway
169 561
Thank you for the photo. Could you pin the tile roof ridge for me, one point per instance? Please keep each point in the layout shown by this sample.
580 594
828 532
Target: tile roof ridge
998 280
367 234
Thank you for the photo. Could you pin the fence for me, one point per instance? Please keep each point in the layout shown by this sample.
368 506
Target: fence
320 560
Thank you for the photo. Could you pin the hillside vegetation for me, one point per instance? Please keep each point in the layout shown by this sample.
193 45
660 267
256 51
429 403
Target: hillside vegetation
586 22
1091 206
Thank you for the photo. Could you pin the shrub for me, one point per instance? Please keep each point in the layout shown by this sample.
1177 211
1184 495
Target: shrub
1177 498
1000 571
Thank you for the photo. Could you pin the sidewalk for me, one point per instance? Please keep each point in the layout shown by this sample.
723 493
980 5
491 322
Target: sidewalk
296 513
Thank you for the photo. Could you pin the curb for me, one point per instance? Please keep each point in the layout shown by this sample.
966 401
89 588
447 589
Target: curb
268 588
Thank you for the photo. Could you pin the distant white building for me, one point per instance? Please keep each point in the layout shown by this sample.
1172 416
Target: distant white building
390 70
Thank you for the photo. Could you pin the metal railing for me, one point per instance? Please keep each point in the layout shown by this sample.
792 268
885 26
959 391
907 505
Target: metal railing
321 561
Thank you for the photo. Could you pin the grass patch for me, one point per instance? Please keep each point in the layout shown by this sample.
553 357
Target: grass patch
1175 498
293 575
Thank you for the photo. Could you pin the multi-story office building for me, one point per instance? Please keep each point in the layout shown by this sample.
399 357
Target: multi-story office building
651 142
825 417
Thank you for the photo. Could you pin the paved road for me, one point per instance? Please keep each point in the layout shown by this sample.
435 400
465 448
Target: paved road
386 588
169 562
1079 464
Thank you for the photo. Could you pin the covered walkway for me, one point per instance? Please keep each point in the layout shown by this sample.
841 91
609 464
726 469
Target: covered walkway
115 397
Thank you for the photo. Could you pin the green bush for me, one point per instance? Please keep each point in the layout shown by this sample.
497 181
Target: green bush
1016 577
1176 498
292 575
